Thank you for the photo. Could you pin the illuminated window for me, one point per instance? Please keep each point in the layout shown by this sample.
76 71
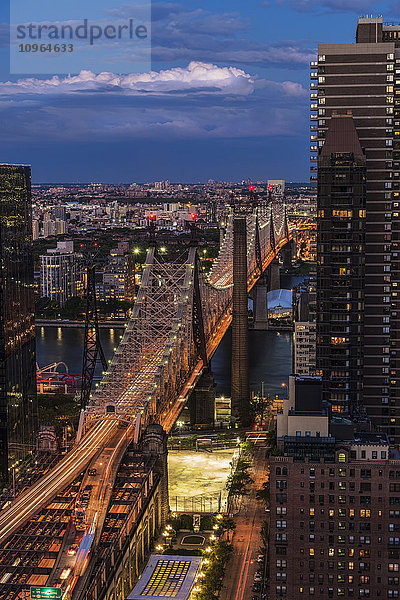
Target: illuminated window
338 340
312 552
365 513
351 566
331 552
342 458
342 213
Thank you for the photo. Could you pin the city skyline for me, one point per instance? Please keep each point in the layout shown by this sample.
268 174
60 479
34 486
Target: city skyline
226 98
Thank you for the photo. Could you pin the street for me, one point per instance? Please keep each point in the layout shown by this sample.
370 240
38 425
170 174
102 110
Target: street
247 542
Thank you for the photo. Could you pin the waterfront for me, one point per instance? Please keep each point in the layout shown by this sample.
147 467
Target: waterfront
270 355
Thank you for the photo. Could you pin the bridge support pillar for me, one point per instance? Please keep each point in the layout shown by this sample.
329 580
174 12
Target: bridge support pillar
154 445
274 276
202 401
289 254
240 386
260 305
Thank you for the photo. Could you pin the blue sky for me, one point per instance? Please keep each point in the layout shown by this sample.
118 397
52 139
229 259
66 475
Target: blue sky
226 97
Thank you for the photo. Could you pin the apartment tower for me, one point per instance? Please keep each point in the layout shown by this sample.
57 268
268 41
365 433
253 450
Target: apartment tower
355 132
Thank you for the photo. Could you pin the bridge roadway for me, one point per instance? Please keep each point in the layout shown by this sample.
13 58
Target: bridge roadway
66 471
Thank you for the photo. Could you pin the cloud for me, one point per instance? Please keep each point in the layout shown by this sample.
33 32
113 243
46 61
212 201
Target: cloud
179 34
200 101
356 6
288 55
196 77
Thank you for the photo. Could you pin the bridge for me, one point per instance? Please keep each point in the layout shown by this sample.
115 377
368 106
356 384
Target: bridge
179 318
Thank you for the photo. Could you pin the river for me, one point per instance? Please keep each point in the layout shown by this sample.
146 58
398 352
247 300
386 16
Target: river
270 354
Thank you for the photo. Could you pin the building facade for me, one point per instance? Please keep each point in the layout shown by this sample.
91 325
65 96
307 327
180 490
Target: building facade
61 275
362 78
340 266
335 524
18 403
305 329
118 277
334 504
305 335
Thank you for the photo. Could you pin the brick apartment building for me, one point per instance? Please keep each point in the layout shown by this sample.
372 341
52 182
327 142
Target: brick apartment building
334 505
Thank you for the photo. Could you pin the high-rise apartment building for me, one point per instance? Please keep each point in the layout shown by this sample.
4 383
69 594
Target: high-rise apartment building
118 277
361 79
18 404
61 275
340 273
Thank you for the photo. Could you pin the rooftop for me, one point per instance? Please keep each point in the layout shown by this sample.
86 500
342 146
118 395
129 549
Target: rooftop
167 577
370 438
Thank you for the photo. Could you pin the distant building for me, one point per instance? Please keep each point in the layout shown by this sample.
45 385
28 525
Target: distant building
18 404
59 212
49 228
61 274
277 188
279 304
162 185
35 229
118 277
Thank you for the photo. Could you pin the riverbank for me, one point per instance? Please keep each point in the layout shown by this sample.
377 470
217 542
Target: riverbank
109 324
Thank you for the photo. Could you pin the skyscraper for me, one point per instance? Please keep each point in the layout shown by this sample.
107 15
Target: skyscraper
18 407
340 273
360 78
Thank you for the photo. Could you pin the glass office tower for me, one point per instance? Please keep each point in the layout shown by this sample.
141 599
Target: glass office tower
18 404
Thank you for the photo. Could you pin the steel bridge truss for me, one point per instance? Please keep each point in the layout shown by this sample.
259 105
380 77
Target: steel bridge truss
174 321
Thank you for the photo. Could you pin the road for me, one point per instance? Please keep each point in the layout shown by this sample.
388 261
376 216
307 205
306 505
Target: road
58 478
239 577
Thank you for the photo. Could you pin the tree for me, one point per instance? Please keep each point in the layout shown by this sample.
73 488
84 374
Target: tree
264 493
74 308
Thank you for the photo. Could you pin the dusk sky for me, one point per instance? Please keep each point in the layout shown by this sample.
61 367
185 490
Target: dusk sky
227 97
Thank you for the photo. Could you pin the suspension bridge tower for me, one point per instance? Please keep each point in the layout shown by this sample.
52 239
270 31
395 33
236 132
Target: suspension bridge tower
240 386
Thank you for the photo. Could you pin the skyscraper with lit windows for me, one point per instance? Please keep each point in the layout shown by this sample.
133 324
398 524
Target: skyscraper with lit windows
18 405
361 80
